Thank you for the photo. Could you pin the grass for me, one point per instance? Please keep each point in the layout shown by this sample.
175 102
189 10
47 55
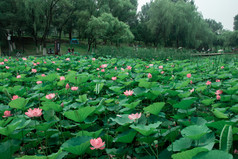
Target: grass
106 51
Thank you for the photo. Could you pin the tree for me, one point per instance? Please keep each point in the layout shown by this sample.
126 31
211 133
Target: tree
33 18
215 26
64 16
177 23
107 28
143 32
236 22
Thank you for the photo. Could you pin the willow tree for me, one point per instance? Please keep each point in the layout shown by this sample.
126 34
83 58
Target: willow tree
236 22
177 23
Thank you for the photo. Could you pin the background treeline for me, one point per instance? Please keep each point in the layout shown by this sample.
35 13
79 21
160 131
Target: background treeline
166 23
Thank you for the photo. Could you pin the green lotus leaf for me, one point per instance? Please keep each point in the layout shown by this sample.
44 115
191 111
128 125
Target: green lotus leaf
126 137
77 145
195 132
51 105
146 130
214 154
189 154
219 114
154 108
81 114
19 103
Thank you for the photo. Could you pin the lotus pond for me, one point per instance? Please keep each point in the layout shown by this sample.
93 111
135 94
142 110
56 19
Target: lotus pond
87 107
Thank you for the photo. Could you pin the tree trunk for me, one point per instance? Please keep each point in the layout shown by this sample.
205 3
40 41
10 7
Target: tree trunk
89 45
177 41
14 46
70 34
44 49
60 33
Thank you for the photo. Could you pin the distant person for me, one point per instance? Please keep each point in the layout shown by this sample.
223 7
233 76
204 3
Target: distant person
50 51
69 50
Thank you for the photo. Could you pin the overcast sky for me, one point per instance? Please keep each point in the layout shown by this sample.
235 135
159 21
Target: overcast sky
222 11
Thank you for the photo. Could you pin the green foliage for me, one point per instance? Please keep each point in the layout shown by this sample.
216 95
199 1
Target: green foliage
19 103
214 154
226 139
173 122
189 154
195 132
79 115
146 130
236 22
77 145
155 108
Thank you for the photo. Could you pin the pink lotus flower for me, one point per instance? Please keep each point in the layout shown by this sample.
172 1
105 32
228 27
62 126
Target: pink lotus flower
218 92
39 82
57 69
134 116
172 65
1 63
53 61
7 67
43 75
33 70
44 62
38 63
67 86
74 88
5 60
62 78
7 113
36 112
191 82
235 151
129 67
162 72
149 75
208 83
218 80
115 68
189 75
128 93
103 66
50 96
122 69
102 70
93 59
151 65
192 90
114 78
24 59
67 59
161 67
218 97
34 64
18 76
15 97
147 66
97 144
222 67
